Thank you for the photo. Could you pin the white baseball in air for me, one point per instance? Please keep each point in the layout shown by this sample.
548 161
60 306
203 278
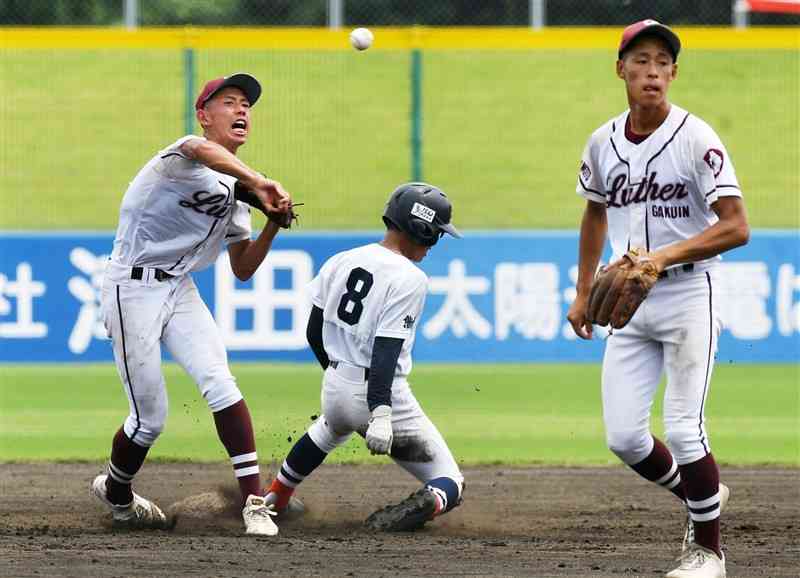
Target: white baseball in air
361 38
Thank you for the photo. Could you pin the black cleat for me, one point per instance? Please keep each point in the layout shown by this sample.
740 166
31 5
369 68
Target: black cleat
409 515
294 510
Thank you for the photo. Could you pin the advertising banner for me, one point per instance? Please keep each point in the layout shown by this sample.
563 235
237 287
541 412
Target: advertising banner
492 297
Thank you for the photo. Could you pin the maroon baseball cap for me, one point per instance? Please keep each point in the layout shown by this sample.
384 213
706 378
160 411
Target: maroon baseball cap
247 83
650 27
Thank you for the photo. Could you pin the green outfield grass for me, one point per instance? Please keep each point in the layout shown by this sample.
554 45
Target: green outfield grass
503 130
513 414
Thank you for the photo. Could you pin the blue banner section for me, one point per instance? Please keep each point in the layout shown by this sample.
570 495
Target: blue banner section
493 297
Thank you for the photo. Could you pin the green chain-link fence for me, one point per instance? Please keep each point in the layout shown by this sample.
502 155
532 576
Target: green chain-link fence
82 109
375 12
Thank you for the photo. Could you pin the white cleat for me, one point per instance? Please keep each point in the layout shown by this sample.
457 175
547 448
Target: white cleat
141 513
699 562
257 516
688 535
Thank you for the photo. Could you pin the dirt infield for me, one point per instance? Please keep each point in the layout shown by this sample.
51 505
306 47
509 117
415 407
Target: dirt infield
588 522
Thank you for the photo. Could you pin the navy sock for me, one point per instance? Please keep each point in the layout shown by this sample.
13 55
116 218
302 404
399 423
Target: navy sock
305 456
446 489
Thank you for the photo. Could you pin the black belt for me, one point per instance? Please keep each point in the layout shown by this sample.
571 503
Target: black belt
685 268
335 364
138 272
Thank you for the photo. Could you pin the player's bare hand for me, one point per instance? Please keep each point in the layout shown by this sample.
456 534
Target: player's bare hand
658 259
272 195
577 318
379 432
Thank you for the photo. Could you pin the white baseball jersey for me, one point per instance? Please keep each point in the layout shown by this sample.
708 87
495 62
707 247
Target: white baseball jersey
177 213
659 191
365 293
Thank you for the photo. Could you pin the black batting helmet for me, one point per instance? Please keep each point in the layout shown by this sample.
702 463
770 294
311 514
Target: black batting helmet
422 211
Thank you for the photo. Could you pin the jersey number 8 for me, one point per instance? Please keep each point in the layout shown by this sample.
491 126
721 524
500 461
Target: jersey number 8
356 292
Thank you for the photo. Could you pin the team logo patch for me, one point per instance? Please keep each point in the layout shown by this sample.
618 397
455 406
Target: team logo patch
586 172
423 212
408 322
714 159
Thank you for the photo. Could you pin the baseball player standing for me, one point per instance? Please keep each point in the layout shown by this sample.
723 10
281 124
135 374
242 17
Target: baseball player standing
658 178
366 305
175 216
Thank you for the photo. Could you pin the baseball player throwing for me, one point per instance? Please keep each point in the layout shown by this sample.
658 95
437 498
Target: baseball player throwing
658 179
366 306
175 216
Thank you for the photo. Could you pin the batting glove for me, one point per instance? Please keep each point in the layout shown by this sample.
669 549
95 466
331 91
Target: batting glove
379 432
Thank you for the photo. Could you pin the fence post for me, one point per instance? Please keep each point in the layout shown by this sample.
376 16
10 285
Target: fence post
335 13
538 16
131 9
416 114
740 12
188 83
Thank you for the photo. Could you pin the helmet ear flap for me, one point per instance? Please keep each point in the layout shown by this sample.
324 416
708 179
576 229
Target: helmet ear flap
424 232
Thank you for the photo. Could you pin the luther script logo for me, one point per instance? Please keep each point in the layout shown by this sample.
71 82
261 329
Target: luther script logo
621 193
714 159
206 203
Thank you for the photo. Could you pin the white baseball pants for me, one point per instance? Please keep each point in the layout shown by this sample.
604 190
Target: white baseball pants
675 331
139 316
417 445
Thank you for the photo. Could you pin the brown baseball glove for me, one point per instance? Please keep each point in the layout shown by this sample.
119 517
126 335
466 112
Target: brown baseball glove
284 220
619 288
